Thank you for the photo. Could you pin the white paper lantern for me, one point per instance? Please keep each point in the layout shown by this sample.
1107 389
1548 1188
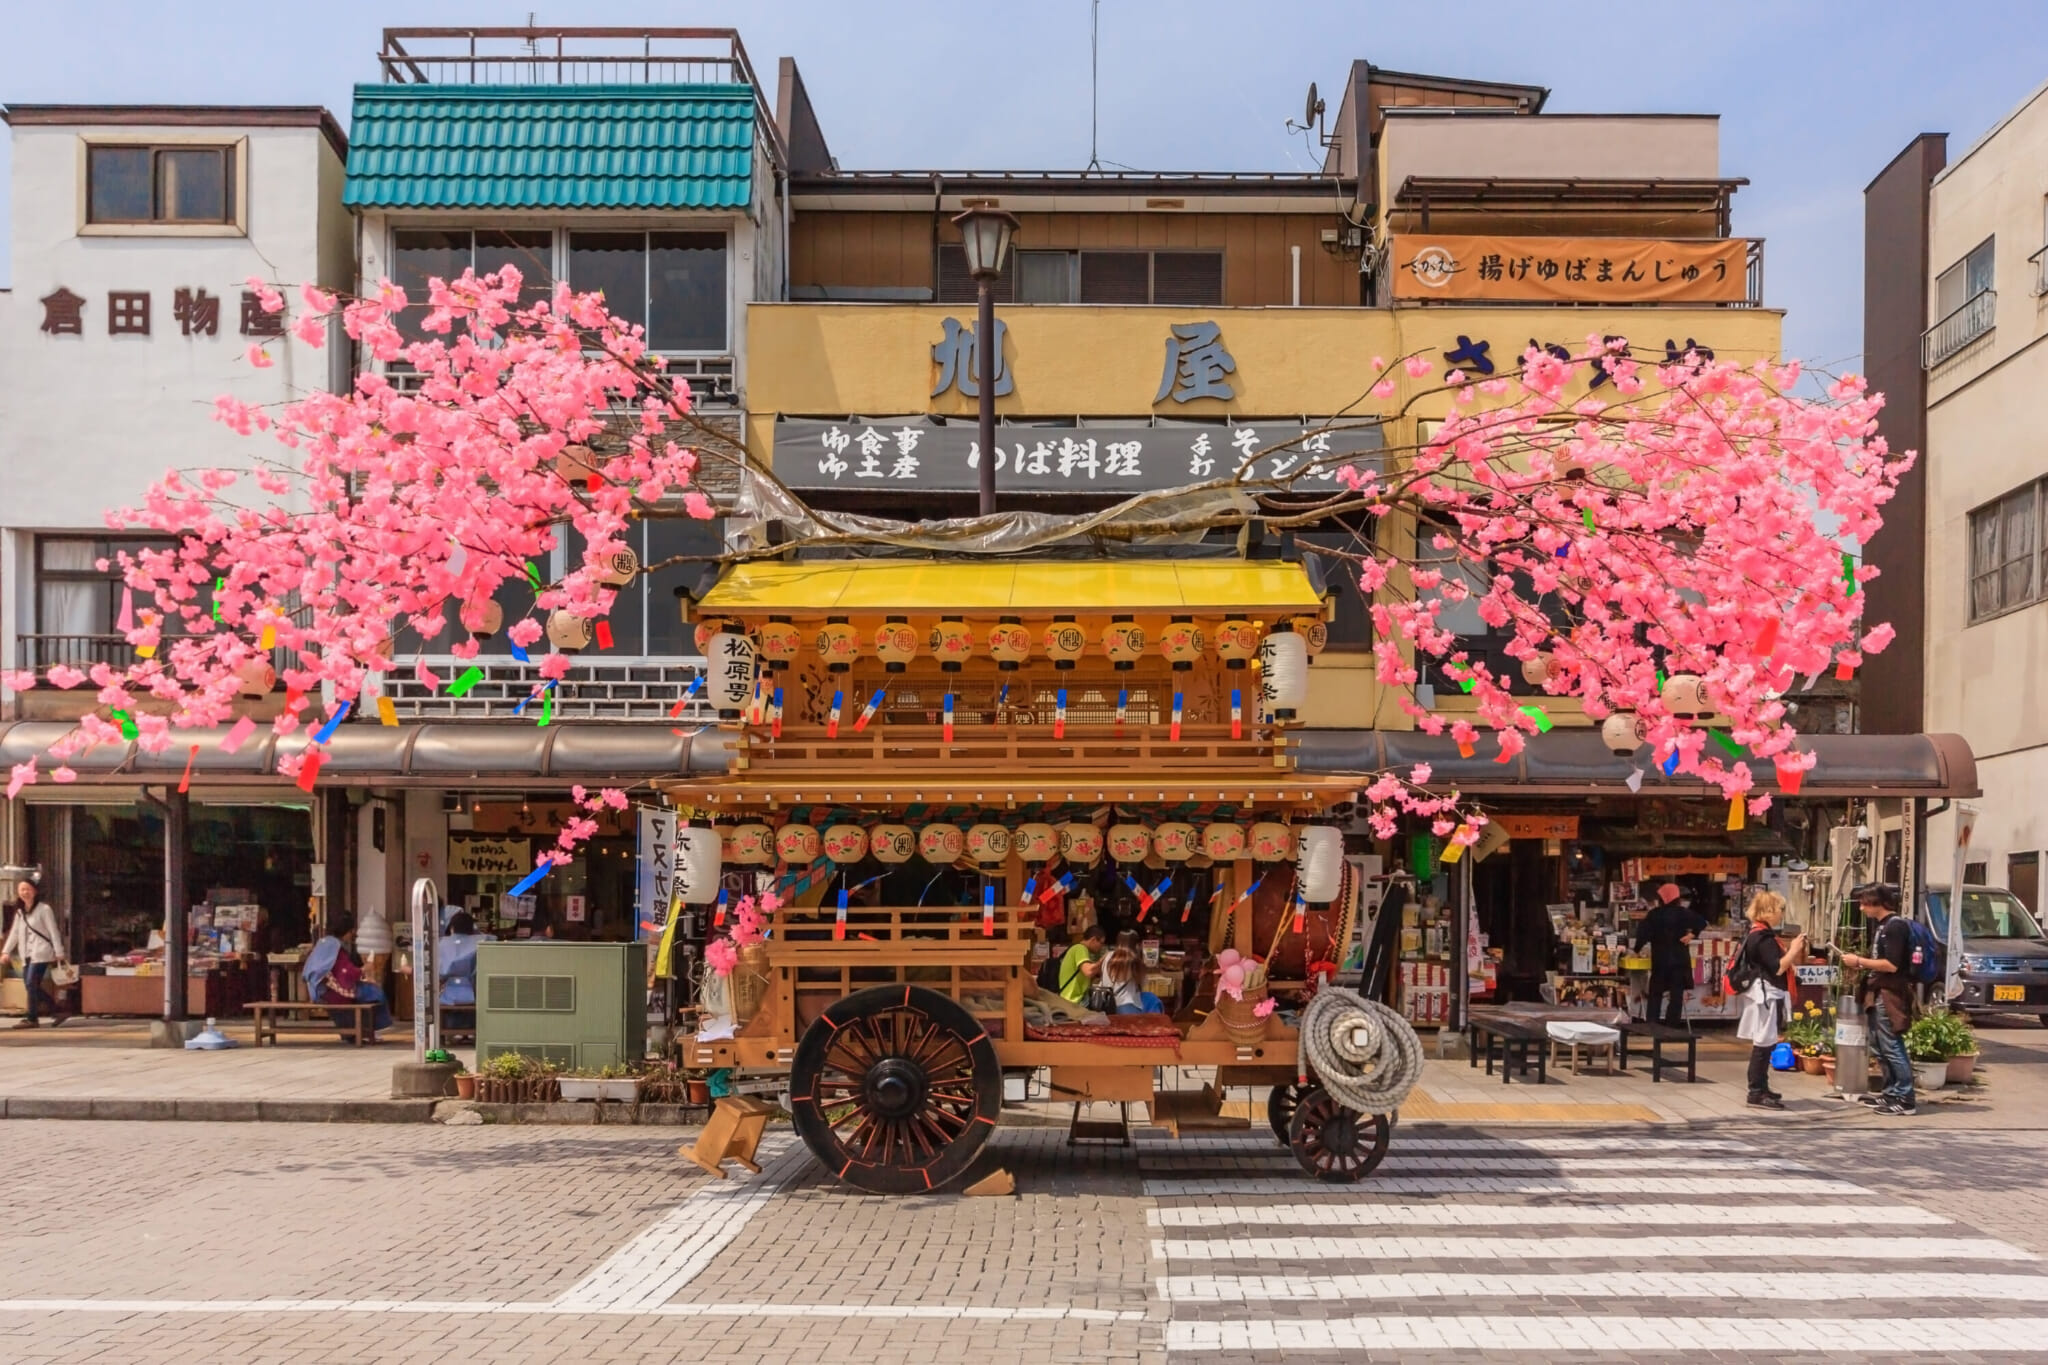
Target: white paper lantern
1181 643
1129 843
1080 844
838 644
567 631
780 642
749 845
1685 696
988 843
1123 642
952 643
1236 641
845 843
1272 842
1064 642
1224 841
941 844
483 619
617 569
797 844
1623 732
1283 674
1319 866
255 678
1536 671
1176 842
731 669
697 864
1009 643
892 843
1036 843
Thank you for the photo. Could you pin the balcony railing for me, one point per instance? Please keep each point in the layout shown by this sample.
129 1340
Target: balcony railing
645 690
1976 317
39 652
2039 260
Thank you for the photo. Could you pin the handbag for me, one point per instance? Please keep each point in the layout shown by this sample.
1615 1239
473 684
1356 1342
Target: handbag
1101 999
63 975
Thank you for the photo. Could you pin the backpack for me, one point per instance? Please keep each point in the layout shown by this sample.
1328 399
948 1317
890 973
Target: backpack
1927 966
1740 973
1049 974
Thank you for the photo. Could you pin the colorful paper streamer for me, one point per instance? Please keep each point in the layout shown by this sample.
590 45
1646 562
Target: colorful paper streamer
326 731
237 735
471 676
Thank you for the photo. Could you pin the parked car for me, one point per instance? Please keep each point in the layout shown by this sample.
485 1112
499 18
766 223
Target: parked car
2005 954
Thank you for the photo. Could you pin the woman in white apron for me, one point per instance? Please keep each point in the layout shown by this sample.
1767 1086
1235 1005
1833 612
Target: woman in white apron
1764 1002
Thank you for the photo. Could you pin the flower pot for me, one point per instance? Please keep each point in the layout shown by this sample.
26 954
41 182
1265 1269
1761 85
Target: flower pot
1929 1075
699 1091
1827 1069
1810 1064
620 1090
465 1085
1960 1069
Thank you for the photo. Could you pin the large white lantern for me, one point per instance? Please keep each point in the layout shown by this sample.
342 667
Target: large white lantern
567 631
730 671
697 864
1685 696
616 569
1283 674
1319 865
1623 732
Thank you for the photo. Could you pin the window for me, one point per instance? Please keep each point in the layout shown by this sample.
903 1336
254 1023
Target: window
671 283
78 604
2006 553
138 183
1964 280
1184 278
444 253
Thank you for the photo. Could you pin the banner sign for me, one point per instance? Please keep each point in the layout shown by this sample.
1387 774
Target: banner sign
922 455
655 869
1570 269
1539 826
468 857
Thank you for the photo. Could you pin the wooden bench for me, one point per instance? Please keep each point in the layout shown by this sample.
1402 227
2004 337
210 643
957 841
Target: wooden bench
1516 1041
1658 1035
275 1016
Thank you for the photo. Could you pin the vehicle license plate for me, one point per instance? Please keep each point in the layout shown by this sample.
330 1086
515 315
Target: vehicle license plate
2009 993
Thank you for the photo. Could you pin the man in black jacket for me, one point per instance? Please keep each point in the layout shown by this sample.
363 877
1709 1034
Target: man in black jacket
1668 930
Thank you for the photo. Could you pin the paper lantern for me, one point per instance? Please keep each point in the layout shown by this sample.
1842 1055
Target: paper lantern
1536 671
483 619
1283 675
712 625
1319 866
1175 842
1080 844
1623 732
988 843
892 843
1271 842
567 631
796 843
697 864
845 843
1129 843
255 678
1224 842
1314 632
837 645
895 643
1123 642
780 642
1236 641
730 671
1064 642
1685 696
577 463
1182 642
1036 843
941 844
617 569
952 644
1009 644
749 845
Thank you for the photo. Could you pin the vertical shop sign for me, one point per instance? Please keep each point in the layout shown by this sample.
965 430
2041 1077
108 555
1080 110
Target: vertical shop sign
656 870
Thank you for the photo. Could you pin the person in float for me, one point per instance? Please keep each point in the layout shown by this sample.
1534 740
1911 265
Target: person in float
1083 964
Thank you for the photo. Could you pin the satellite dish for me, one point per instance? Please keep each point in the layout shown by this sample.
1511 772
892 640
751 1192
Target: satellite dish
1313 109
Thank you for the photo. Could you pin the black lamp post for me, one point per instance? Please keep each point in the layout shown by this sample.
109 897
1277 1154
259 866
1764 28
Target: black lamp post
985 233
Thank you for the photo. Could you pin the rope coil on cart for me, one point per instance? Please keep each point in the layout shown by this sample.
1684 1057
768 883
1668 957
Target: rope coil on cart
1364 1053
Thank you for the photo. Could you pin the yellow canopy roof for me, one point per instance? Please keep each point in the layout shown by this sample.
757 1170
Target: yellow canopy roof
1015 586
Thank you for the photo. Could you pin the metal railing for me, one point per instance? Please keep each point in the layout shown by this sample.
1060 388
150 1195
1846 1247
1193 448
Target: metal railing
39 652
1976 317
2039 260
641 690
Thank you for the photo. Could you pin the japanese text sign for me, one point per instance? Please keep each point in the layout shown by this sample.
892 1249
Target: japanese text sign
1570 269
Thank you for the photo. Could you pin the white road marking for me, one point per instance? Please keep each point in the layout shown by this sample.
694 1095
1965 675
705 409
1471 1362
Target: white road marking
1635 1250
650 1269
1374 1186
559 1309
1636 1283
1889 1335
1360 1215
1534 1163
1403 1142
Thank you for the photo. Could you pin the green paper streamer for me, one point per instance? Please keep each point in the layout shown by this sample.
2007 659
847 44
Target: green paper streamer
128 729
468 680
219 586
547 707
1849 571
1586 515
1734 750
1535 713
533 575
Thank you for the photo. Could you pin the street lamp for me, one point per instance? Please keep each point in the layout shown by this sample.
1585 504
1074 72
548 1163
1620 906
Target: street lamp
985 233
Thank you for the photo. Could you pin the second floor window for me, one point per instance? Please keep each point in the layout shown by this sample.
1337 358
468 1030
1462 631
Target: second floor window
671 283
1188 278
130 183
2007 553
1964 280
420 255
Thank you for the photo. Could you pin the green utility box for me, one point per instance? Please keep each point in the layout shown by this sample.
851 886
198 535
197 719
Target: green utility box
581 1006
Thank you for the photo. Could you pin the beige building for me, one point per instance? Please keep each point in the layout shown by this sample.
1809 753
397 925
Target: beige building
1986 563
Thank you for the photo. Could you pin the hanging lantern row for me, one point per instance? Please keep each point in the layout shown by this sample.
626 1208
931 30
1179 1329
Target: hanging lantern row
757 845
838 644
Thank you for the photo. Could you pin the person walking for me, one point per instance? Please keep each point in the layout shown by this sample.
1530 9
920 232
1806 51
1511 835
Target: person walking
1887 993
1669 930
35 943
1765 962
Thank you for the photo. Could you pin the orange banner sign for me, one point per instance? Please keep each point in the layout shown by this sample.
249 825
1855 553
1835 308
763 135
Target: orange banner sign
1570 269
1539 826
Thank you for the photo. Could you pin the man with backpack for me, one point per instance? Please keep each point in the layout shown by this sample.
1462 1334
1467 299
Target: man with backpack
1072 973
1887 993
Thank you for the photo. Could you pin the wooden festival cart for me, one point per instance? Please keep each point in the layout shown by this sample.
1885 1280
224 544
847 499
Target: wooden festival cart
896 1023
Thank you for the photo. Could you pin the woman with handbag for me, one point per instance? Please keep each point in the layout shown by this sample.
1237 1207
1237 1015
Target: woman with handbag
36 944
333 977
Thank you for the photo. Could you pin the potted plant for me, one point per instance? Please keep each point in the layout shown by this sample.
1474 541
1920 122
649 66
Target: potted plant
514 1078
465 1085
1811 1031
1936 1042
615 1082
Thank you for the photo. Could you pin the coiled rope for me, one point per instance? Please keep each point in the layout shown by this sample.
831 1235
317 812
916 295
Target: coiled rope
1365 1054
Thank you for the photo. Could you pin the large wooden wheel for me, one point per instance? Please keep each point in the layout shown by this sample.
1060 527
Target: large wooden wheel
1334 1144
1280 1107
895 1089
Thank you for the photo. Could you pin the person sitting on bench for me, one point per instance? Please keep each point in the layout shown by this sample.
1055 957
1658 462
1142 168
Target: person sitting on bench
455 959
333 977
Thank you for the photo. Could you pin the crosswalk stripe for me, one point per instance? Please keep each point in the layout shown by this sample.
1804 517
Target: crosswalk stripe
1397 1161
1376 1186
1745 1285
1636 1250
1404 1141
1890 1335
1359 1215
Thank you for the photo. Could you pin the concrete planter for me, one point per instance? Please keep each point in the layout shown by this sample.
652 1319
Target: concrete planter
620 1090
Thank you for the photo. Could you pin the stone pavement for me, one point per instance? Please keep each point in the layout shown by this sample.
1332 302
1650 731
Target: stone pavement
1852 1241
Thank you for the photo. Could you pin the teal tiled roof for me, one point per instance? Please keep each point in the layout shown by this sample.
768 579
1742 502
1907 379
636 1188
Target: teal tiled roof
541 147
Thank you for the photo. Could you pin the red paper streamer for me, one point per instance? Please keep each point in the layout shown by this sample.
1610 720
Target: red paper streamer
185 782
604 635
309 771
1844 672
1767 639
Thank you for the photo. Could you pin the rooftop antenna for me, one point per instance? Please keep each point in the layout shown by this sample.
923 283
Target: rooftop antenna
1094 81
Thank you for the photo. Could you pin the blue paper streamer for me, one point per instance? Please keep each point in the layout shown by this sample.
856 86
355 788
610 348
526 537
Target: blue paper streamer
326 731
528 882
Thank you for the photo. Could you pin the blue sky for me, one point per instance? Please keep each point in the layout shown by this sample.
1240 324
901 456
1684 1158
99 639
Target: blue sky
1814 98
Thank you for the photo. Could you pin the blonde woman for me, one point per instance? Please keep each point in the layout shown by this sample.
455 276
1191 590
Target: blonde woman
1765 962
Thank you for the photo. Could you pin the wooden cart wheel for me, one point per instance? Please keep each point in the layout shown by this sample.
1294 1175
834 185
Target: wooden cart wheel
1280 1107
895 1089
1334 1144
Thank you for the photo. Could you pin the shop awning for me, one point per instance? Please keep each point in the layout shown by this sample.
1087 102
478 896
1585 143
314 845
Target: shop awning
1576 762
473 755
1016 586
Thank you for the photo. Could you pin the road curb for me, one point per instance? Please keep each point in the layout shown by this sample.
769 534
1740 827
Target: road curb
109 1108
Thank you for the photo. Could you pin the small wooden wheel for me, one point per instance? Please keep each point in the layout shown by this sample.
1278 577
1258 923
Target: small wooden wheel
1334 1144
895 1089
1280 1107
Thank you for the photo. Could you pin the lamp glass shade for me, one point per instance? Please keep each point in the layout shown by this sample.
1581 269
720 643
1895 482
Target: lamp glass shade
985 235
